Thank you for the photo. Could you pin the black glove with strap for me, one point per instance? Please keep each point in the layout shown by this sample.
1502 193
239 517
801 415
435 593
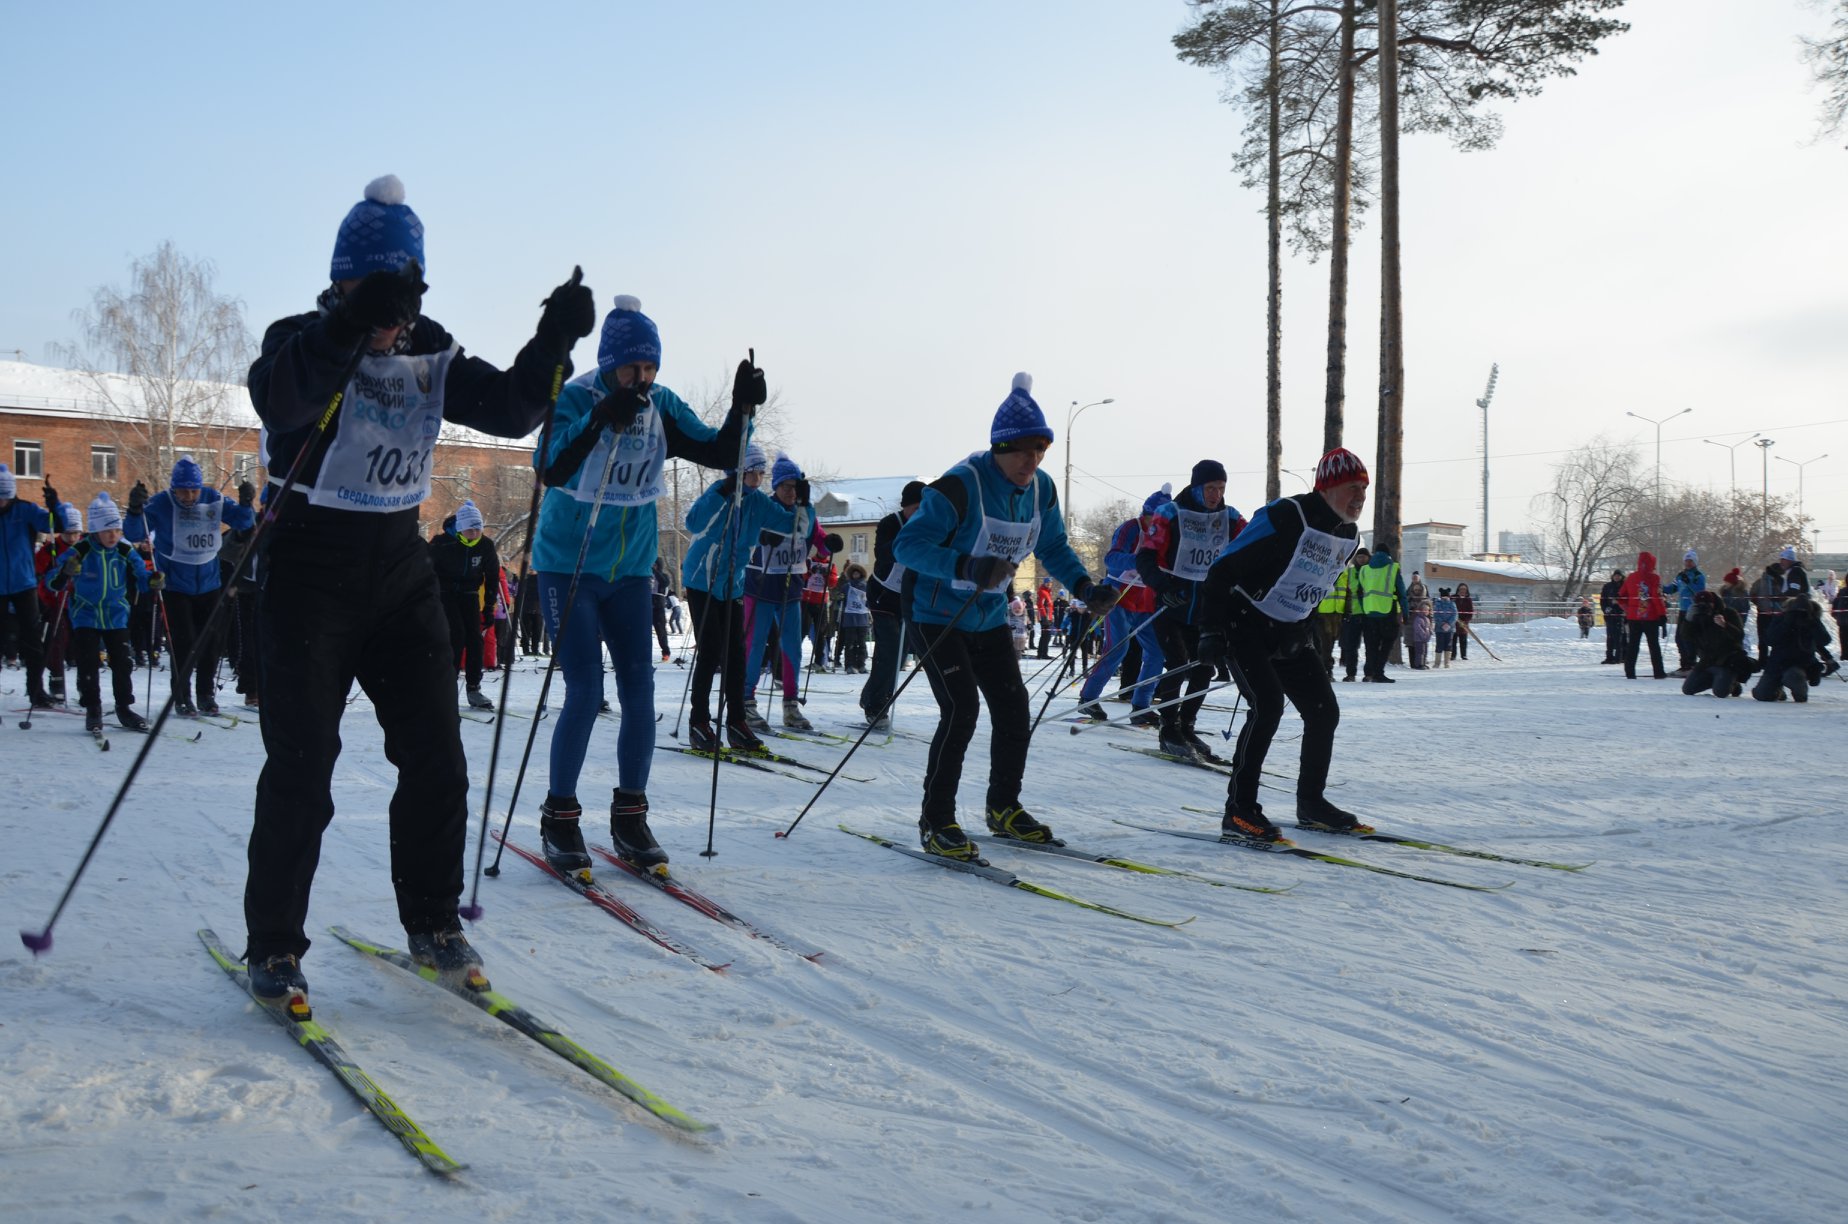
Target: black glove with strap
984 572
381 301
1213 649
1097 597
570 314
620 407
246 494
51 499
138 498
727 488
802 492
1176 595
748 389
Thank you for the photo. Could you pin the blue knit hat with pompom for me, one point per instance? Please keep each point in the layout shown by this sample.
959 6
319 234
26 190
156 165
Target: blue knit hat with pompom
784 469
1158 499
1018 417
629 336
378 234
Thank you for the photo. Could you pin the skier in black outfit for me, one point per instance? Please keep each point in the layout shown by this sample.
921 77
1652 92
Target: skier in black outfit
1716 641
1258 598
1792 640
888 614
1612 607
348 590
1182 541
468 567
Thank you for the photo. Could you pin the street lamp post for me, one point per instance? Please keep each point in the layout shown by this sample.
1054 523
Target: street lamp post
1800 466
1732 452
1658 480
1764 446
1071 416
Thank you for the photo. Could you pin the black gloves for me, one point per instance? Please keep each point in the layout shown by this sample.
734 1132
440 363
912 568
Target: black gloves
138 498
748 390
1176 595
1097 597
620 407
570 313
802 492
383 300
984 572
156 581
1213 650
246 494
72 565
51 496
728 487
834 542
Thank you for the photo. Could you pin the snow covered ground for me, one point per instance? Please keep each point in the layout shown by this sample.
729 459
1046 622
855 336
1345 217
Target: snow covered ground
1659 1037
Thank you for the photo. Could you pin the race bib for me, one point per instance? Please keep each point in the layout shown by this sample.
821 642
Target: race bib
1202 533
638 470
196 538
1305 582
856 602
999 537
379 460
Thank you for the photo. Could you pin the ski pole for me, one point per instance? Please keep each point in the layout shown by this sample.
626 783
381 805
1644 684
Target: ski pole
545 685
40 941
1236 702
733 513
873 719
1060 684
1178 699
50 638
692 664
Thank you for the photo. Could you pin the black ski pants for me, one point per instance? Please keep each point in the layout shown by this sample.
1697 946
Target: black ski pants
466 649
24 634
1180 646
660 625
363 608
92 645
888 653
1266 678
1380 633
186 617
249 665
1613 638
965 670
1352 630
719 630
1638 631
1716 680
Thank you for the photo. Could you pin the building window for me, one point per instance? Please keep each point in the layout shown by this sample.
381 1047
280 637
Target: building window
243 467
859 544
28 459
103 463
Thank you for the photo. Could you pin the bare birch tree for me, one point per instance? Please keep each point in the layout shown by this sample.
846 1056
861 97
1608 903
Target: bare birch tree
184 350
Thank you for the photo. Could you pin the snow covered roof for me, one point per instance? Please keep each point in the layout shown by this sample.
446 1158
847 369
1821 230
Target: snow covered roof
55 391
867 499
1506 571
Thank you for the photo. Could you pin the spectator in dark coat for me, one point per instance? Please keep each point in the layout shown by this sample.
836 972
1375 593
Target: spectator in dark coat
1792 640
1612 607
1716 636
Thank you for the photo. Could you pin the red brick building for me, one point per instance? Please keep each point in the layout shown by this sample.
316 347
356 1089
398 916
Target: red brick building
91 433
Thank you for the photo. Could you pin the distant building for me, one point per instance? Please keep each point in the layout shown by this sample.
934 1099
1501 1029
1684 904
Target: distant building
58 423
1527 545
1503 589
1420 543
852 509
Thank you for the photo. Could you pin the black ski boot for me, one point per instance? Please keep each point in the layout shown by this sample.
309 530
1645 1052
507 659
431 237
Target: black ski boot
277 981
184 708
947 841
629 830
448 952
1093 711
1145 718
478 700
93 719
1174 742
560 837
1248 822
130 720
742 738
1015 823
208 704
45 701
1201 748
701 737
1325 817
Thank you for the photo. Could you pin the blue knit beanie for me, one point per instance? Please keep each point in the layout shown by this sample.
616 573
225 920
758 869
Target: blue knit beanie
629 336
754 458
70 518
187 474
379 234
1018 416
1158 499
784 469
1206 471
104 516
467 516
9 487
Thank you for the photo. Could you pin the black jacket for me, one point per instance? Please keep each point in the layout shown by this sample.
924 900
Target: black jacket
879 597
462 569
1257 557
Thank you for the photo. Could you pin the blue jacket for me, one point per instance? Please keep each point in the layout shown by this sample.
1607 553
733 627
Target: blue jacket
21 524
186 578
99 592
623 544
758 512
1687 584
1444 611
945 528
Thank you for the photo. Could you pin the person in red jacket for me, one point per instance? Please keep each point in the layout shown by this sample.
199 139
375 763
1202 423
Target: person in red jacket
1643 609
1042 612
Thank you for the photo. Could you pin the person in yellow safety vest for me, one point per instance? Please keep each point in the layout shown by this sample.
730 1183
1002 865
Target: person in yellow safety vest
1382 603
1329 615
1347 591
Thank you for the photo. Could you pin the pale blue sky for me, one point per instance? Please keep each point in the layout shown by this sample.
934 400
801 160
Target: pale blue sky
899 206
